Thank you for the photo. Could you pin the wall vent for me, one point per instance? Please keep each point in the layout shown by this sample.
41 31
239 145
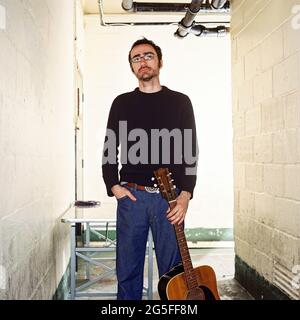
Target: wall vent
284 279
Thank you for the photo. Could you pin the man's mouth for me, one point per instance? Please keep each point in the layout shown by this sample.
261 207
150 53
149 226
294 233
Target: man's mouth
144 69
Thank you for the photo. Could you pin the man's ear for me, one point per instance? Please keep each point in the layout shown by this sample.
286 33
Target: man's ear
161 63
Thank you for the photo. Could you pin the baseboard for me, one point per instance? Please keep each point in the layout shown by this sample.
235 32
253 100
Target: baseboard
255 284
63 289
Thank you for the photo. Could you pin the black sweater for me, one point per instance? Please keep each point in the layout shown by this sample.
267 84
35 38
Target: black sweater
165 109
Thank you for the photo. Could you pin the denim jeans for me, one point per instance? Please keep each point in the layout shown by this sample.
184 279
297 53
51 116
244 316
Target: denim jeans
133 222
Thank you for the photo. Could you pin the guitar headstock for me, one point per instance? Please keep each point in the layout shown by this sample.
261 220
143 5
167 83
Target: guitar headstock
165 183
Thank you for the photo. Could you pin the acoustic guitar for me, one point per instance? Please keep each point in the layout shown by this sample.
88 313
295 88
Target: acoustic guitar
183 282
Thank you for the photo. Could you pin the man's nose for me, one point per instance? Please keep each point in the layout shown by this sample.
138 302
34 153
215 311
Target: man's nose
143 62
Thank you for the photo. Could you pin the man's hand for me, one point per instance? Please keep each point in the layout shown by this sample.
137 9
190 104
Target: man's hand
120 192
177 214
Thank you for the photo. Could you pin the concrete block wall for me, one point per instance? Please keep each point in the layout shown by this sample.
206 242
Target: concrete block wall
266 123
36 145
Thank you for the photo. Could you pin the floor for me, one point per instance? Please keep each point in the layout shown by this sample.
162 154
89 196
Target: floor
221 259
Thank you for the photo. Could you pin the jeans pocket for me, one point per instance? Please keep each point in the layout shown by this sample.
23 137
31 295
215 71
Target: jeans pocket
122 198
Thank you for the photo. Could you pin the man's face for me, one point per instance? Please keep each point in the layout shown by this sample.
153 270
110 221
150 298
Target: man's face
145 70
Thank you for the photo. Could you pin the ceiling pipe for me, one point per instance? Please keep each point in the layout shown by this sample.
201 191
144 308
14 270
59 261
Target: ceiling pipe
134 7
187 22
218 4
200 30
127 5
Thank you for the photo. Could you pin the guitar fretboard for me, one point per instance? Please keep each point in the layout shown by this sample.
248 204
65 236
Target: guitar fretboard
189 272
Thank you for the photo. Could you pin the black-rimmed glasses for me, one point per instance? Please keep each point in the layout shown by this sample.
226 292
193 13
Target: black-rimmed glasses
147 57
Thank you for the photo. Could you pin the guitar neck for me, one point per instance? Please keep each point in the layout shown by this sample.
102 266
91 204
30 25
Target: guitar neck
184 252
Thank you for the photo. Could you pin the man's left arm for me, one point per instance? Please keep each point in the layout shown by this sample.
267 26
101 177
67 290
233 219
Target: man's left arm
189 167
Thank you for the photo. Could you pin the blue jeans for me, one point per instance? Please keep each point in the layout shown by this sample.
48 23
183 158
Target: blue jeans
133 222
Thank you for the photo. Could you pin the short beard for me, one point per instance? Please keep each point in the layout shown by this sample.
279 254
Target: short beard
147 78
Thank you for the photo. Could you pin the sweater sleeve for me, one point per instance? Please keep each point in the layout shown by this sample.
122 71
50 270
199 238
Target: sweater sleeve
190 149
110 163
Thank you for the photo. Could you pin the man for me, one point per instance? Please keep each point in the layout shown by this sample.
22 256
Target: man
155 119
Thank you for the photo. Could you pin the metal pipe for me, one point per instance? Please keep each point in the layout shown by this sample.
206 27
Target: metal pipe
127 5
218 4
186 23
101 14
200 30
170 7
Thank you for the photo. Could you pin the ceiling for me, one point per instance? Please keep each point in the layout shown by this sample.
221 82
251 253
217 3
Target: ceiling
113 11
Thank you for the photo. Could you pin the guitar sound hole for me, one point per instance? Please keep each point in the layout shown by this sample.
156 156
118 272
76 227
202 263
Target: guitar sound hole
200 293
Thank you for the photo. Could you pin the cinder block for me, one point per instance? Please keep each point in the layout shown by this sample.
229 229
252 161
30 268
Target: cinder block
285 146
239 175
238 124
264 265
247 208
262 237
272 49
245 96
254 177
253 121
263 86
272 115
264 208
263 148
287 216
286 76
292 110
244 149
253 63
245 251
274 179
241 224
292 181
238 72
285 249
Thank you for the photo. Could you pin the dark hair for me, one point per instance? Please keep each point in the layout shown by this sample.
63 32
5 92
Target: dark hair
151 43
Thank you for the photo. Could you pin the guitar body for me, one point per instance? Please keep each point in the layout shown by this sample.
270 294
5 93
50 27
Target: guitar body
172 285
183 282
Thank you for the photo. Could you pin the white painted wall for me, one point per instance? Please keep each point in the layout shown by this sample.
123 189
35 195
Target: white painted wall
196 66
36 145
266 117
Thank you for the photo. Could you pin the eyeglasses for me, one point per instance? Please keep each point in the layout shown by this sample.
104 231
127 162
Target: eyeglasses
147 57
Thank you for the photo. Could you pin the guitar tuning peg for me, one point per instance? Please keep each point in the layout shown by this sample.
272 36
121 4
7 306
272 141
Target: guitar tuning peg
174 187
155 185
152 178
157 191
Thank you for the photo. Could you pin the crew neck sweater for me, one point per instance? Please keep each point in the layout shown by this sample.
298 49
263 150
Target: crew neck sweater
134 119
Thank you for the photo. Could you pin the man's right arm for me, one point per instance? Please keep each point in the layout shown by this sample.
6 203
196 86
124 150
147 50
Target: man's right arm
110 162
110 172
